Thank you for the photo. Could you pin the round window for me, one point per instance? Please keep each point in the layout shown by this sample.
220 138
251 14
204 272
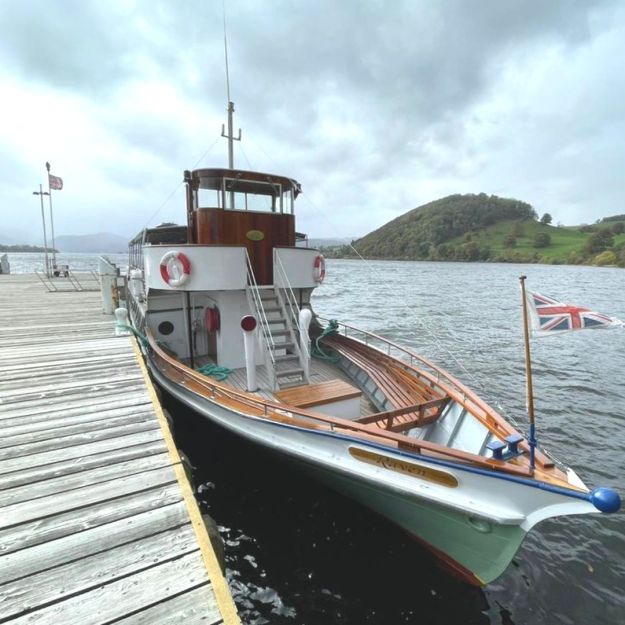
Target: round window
165 327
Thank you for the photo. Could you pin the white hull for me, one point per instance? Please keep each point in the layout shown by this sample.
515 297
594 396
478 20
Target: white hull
477 525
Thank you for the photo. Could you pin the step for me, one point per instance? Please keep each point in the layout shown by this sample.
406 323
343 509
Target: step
286 345
292 383
286 332
271 309
286 357
270 321
289 372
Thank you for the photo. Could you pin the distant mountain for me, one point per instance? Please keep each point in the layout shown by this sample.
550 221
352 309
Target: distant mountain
331 242
102 242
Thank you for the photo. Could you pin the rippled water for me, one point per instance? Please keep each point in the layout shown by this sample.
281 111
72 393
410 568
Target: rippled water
297 553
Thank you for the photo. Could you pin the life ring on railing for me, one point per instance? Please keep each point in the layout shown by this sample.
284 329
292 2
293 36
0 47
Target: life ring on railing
212 320
319 269
175 268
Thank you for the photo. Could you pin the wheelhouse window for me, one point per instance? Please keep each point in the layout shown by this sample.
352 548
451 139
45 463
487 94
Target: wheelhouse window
244 195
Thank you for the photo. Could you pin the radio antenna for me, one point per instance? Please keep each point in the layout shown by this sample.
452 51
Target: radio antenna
231 138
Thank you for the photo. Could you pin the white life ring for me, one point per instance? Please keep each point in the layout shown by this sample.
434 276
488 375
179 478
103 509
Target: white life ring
175 268
319 269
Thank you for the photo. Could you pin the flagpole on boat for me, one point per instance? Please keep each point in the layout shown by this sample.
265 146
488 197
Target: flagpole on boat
528 374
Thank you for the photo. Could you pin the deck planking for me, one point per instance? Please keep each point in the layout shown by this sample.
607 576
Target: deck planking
97 520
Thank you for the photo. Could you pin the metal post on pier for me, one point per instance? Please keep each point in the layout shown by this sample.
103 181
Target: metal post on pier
41 193
51 220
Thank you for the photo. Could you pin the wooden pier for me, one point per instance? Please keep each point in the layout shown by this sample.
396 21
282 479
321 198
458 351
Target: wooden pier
98 523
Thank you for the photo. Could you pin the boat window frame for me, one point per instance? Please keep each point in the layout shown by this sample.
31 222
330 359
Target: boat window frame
276 192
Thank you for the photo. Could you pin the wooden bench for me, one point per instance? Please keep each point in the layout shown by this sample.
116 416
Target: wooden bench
334 397
415 403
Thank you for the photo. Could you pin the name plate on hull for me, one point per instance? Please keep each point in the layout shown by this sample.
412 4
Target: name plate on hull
402 466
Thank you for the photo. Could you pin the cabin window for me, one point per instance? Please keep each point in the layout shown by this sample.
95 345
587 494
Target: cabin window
244 195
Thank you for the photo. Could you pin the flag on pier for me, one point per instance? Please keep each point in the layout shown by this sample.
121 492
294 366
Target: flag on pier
56 183
550 316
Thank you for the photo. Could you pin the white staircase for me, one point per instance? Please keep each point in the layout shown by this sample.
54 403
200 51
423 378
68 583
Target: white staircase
277 315
289 366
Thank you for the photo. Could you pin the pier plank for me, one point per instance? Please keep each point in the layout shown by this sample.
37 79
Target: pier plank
83 463
84 426
76 452
58 401
82 497
86 414
50 528
70 407
27 449
42 557
88 477
97 520
184 608
118 599
92 571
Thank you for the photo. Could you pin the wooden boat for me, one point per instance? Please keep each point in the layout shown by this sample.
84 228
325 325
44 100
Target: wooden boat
230 292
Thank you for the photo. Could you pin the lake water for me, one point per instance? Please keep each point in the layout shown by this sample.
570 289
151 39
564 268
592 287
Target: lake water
298 554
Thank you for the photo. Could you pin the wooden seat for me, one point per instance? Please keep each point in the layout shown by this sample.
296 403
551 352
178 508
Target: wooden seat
309 395
415 403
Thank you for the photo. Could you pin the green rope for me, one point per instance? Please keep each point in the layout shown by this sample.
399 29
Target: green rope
136 332
317 351
219 373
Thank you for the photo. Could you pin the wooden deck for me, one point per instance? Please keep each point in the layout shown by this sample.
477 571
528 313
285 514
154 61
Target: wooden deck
98 523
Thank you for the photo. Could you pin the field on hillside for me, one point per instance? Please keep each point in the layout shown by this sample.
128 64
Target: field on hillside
564 241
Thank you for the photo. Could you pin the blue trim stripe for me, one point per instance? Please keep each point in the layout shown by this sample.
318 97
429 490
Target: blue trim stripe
444 463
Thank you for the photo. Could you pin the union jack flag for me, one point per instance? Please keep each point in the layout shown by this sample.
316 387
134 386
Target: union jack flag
56 183
550 316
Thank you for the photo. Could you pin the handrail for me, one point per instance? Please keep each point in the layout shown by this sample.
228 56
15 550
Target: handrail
461 393
267 339
258 304
290 298
269 409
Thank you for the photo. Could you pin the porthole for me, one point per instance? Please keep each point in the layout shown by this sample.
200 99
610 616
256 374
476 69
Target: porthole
165 328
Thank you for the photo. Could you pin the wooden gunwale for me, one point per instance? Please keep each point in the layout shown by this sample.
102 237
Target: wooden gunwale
450 385
259 407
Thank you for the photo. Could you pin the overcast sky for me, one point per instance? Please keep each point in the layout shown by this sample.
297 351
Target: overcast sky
374 106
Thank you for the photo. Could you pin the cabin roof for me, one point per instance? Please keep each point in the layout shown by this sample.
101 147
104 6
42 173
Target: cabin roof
241 174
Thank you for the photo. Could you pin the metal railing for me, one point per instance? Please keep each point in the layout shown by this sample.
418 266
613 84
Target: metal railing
430 373
52 283
291 302
265 336
248 404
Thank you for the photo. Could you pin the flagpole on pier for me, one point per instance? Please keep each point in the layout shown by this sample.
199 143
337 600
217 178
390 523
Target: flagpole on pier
528 374
51 219
41 193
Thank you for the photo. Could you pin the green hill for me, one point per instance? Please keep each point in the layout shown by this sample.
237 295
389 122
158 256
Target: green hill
489 228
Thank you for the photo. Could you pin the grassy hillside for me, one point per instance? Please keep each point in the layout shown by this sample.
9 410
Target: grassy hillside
489 228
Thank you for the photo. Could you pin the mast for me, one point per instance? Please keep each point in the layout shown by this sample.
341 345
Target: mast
528 373
230 136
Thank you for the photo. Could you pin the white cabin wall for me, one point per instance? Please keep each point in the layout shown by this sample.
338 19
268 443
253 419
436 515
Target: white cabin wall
298 264
213 267
169 307
233 307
